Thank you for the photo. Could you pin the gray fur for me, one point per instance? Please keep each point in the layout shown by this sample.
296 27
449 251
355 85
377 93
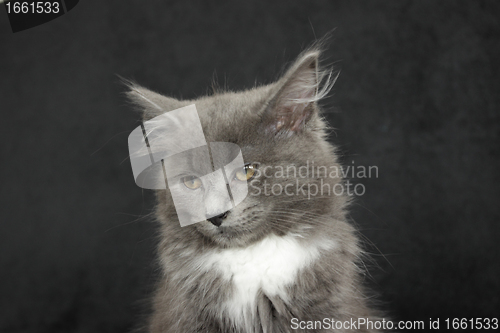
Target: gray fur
276 124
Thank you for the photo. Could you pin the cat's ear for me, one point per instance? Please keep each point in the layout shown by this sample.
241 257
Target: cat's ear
150 103
293 101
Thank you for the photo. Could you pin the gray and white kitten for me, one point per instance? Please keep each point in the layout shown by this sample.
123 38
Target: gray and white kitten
273 258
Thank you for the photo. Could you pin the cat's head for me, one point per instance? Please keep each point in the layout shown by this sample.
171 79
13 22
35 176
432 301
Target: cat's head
281 134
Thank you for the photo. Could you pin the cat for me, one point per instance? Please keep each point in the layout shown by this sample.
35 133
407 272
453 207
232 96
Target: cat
275 262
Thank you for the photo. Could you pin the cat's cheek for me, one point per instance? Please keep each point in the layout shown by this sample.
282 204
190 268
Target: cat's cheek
254 189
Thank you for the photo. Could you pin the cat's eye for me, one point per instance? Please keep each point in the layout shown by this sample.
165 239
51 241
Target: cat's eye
246 173
191 182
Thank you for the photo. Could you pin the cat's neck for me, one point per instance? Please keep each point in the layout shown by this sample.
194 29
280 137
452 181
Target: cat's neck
269 265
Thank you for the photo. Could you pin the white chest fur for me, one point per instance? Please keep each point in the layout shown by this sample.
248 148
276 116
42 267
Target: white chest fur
269 265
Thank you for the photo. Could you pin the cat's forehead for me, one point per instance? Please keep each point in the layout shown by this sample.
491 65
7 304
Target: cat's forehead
230 103
228 116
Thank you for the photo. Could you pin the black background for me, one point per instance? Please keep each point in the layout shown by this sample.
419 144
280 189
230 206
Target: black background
418 97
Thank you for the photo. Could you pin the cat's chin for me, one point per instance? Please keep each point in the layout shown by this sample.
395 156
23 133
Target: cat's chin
228 236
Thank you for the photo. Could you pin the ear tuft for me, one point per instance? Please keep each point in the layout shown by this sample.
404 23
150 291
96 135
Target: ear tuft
150 103
294 102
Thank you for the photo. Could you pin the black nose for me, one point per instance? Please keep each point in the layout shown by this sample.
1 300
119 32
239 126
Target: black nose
217 220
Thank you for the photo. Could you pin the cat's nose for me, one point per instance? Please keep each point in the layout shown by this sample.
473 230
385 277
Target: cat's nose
217 220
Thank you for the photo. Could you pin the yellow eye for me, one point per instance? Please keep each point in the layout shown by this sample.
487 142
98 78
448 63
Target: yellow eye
246 173
191 182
